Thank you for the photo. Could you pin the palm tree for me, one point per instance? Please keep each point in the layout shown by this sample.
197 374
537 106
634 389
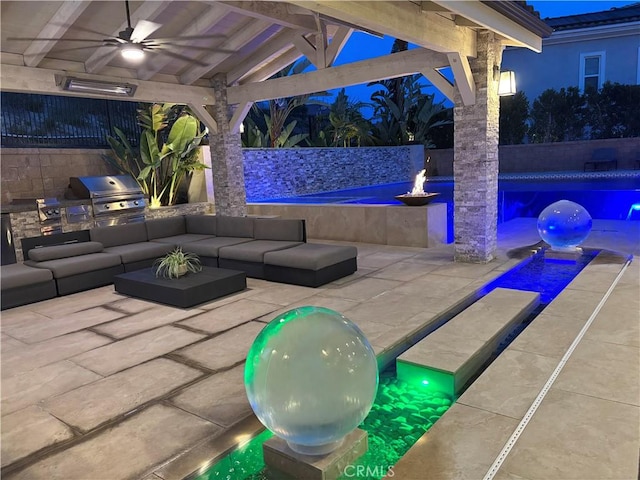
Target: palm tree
347 125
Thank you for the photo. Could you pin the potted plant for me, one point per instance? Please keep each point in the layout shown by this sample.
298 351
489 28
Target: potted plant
177 263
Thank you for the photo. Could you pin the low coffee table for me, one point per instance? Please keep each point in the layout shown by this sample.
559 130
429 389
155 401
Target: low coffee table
186 291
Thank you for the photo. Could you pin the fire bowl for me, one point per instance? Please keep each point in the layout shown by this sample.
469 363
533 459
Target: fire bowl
416 200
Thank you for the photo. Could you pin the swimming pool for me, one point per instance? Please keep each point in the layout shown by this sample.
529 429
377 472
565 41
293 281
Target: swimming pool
608 197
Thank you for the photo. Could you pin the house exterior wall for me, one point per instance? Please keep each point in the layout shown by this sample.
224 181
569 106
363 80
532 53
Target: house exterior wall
559 64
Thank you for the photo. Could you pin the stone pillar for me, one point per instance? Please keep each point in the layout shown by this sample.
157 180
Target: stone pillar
226 157
475 164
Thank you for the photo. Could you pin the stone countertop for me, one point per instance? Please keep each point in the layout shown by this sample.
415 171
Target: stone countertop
26 207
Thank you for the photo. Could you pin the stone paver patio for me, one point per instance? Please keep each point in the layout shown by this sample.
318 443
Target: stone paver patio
96 385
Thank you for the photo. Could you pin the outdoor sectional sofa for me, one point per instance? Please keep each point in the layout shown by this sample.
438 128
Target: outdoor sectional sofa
266 248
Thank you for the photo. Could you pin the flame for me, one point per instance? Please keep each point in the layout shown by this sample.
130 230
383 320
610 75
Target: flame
418 183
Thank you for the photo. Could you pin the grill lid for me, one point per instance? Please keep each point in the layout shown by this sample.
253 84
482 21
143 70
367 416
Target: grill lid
107 185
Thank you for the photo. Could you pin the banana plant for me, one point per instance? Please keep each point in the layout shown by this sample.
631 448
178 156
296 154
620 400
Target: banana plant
160 165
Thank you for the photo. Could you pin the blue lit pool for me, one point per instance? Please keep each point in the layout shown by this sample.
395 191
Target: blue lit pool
604 198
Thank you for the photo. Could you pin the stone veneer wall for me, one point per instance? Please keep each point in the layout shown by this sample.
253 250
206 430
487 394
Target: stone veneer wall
475 170
546 157
45 172
289 172
226 156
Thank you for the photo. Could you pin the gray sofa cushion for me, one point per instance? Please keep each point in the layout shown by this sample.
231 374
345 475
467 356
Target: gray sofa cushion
278 229
235 227
64 251
165 227
311 256
66 267
254 251
179 240
20 275
210 247
135 252
119 234
201 224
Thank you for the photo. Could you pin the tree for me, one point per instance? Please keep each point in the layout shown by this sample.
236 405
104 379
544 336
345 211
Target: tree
347 125
613 111
557 116
279 132
514 111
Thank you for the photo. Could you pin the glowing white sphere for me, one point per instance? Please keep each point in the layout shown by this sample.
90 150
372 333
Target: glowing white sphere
311 377
564 225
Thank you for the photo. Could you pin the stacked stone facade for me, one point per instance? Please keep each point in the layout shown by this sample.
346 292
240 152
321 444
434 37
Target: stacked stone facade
226 157
475 166
289 172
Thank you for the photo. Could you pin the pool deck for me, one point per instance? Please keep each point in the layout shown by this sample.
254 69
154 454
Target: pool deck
97 385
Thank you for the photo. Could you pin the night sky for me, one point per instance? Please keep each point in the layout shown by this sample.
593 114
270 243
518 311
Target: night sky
362 46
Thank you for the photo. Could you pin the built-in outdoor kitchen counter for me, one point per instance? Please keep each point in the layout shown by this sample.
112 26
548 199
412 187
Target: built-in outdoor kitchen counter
28 218
22 220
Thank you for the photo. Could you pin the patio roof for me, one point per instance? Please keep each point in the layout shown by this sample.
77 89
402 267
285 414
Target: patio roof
250 40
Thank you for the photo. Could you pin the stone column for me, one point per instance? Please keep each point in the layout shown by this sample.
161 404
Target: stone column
226 157
475 164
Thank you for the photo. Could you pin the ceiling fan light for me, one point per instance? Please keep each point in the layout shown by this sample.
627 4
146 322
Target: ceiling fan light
132 51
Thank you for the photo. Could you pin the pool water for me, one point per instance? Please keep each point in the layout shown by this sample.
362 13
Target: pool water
399 416
404 411
603 198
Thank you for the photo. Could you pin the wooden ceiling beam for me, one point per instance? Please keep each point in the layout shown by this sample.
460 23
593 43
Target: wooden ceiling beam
43 81
404 20
55 28
275 12
265 53
236 42
492 20
388 66
199 27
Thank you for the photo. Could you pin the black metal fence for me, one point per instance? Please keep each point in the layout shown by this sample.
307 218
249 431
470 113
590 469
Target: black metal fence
30 120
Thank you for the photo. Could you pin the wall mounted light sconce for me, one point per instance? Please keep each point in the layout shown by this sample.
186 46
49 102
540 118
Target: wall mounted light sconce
73 84
506 81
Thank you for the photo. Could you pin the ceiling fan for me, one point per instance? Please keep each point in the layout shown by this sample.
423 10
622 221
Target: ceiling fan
133 43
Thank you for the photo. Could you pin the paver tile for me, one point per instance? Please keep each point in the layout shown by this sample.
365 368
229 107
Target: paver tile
31 387
363 289
29 357
28 430
221 398
225 350
230 315
146 320
577 437
134 350
91 405
284 294
42 329
131 449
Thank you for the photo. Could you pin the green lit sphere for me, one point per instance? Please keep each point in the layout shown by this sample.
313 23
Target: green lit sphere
311 377
564 225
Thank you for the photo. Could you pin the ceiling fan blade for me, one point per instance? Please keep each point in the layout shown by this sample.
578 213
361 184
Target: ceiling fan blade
143 29
186 38
190 47
23 39
178 56
93 47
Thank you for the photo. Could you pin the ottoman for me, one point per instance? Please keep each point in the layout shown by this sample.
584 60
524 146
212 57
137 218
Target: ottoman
310 264
22 284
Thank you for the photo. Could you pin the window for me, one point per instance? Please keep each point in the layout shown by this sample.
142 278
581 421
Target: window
591 70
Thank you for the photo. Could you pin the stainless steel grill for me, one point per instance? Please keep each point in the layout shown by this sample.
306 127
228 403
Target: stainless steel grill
115 199
49 213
